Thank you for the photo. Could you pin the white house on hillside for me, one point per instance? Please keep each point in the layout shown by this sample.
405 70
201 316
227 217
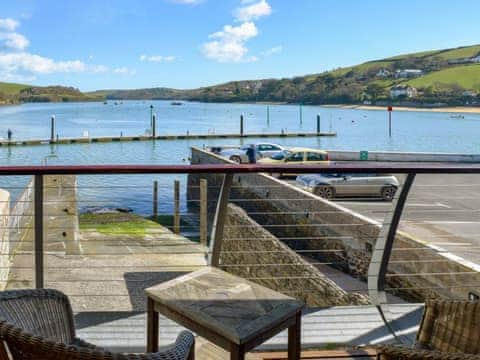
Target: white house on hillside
383 73
403 90
408 73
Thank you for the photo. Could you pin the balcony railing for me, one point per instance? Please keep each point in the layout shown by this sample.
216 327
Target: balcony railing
368 255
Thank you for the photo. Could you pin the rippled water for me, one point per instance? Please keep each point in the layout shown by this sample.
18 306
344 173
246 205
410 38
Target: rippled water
357 130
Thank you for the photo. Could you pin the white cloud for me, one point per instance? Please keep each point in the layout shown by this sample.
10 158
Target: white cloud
36 64
98 68
273 50
17 64
252 11
124 71
228 45
8 24
158 58
14 41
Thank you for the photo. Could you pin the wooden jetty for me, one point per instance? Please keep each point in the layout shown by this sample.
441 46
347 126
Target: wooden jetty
105 139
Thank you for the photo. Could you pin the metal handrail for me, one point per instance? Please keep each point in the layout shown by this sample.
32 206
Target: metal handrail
333 167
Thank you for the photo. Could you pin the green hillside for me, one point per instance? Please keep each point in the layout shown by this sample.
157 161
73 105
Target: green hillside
448 76
11 93
443 80
11 88
466 76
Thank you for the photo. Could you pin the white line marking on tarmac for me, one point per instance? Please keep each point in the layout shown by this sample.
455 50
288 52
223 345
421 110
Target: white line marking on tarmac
380 203
451 222
430 205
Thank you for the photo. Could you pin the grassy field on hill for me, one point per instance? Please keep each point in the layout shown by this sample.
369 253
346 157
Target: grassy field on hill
466 76
11 88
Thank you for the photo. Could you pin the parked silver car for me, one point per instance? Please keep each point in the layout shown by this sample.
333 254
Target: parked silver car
239 155
329 186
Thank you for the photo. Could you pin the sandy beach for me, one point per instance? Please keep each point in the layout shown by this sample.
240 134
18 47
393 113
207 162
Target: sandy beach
452 109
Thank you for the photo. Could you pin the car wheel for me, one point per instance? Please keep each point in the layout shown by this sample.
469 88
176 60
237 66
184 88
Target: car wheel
325 192
388 193
236 159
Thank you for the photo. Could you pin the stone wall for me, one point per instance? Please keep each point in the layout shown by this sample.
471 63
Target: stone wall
345 237
250 251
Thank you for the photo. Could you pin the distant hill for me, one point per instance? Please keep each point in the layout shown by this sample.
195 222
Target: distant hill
448 77
14 93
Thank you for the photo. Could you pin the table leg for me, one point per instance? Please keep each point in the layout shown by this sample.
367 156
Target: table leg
237 352
152 326
294 333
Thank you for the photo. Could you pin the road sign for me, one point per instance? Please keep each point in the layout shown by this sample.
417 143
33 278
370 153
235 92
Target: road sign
364 155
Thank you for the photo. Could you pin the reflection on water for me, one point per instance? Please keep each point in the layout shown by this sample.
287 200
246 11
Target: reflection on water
357 130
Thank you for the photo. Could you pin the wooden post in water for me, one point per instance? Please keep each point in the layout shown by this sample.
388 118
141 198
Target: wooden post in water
301 114
203 212
268 115
155 199
52 129
241 125
154 126
318 124
176 215
390 124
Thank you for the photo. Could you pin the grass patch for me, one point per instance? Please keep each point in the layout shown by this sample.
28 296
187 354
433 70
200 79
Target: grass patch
460 53
467 76
117 224
11 88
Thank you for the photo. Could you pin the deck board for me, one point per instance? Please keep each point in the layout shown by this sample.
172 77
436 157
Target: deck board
342 325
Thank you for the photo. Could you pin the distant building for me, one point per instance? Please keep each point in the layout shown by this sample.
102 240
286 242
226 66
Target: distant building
472 60
408 73
469 93
403 90
383 73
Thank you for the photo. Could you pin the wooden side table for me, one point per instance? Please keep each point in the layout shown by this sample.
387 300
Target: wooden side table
229 311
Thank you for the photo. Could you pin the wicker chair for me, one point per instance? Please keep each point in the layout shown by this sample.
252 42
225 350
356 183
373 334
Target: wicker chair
449 330
39 325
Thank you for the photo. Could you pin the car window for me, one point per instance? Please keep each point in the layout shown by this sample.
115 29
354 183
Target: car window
312 156
265 147
276 148
296 157
280 156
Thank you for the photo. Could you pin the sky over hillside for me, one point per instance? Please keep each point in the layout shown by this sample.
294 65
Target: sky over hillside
97 44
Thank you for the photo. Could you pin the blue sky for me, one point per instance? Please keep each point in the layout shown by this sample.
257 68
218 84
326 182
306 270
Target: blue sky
104 44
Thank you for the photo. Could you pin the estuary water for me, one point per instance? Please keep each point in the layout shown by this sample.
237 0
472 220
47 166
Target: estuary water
356 130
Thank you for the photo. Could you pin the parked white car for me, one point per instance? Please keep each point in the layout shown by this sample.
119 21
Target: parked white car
239 155
330 186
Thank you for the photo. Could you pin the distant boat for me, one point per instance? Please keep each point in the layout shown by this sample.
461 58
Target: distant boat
105 103
176 103
457 116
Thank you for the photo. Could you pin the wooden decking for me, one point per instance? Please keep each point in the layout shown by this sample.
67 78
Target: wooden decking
344 326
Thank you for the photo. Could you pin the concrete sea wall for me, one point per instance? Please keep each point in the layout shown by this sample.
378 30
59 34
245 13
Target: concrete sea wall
252 252
344 238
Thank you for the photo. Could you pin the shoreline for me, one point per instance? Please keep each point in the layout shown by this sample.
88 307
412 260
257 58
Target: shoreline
447 109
